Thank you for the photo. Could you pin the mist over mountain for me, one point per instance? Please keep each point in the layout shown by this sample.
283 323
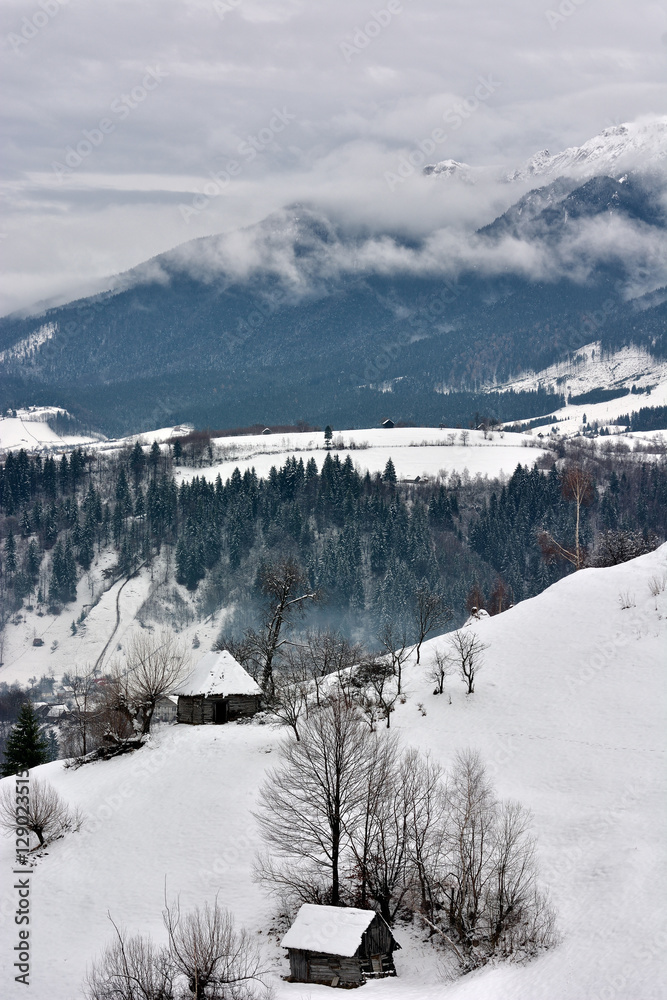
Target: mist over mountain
304 316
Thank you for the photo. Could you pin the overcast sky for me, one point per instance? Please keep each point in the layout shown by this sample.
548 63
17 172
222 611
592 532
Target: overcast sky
116 114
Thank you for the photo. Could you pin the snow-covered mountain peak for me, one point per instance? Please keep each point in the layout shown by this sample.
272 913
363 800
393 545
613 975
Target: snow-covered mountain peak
450 168
638 145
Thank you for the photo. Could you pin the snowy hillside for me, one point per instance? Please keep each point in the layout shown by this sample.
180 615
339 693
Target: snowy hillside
569 714
590 368
29 429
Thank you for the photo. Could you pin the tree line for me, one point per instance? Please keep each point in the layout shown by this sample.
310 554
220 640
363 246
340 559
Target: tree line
366 542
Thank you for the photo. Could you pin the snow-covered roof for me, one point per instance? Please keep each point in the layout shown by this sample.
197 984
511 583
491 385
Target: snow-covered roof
333 930
218 674
56 711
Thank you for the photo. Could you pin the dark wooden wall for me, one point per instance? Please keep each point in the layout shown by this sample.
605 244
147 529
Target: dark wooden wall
242 705
197 710
377 940
313 967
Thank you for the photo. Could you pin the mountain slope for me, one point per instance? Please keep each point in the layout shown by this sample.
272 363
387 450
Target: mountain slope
569 714
299 318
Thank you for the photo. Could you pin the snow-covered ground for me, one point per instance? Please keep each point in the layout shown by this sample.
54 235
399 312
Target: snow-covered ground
588 369
29 429
569 713
415 451
104 634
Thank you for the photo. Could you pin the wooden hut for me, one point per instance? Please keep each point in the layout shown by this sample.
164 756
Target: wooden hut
339 946
217 690
388 424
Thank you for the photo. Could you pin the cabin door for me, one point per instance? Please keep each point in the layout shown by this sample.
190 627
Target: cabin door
220 712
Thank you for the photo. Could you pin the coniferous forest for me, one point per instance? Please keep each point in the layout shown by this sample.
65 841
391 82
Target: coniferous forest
366 543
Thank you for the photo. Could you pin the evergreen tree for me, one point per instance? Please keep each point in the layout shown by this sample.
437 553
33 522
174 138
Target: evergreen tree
137 463
389 474
10 553
154 458
62 586
123 495
26 526
33 559
26 747
53 747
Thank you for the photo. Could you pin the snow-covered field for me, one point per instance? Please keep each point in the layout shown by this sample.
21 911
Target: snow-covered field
415 451
569 714
29 430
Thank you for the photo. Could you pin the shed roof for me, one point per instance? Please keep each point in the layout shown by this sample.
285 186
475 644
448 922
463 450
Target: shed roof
218 674
332 930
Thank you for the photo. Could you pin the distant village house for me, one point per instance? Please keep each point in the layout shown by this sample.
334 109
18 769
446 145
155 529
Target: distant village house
339 946
218 690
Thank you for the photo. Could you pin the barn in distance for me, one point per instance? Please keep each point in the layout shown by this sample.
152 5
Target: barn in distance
218 690
339 946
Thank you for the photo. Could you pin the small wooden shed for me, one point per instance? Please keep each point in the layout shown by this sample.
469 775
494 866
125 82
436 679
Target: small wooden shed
388 424
339 946
218 690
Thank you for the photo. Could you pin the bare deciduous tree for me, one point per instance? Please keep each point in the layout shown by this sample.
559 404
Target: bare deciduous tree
348 820
207 951
84 692
469 838
467 651
328 652
376 690
310 802
440 669
155 664
285 587
578 485
431 614
131 969
289 702
44 813
397 649
205 958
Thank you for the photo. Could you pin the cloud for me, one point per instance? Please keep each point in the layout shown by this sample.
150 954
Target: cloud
307 253
227 70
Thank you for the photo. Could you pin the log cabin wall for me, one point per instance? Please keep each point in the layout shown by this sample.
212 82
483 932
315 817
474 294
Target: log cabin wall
314 967
377 939
197 710
240 705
